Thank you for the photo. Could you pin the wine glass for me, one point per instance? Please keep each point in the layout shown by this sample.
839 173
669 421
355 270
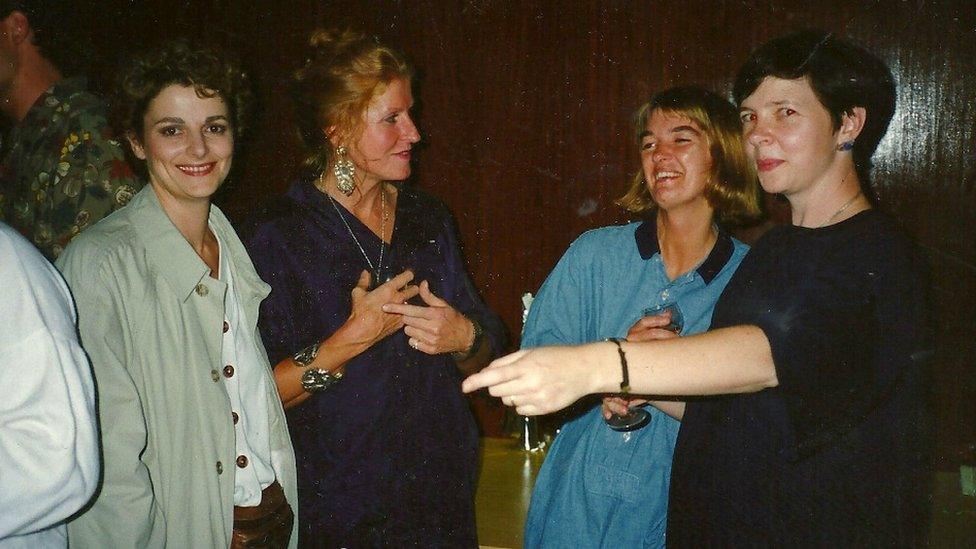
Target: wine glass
636 418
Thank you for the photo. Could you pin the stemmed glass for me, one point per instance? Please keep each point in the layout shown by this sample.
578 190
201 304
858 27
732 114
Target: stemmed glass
636 418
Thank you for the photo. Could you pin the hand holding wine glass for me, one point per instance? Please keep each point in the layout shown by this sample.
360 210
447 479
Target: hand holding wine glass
622 413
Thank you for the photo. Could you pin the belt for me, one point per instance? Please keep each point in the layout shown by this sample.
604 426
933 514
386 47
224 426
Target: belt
267 525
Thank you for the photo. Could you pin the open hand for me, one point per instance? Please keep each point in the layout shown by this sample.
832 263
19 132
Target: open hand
368 321
436 328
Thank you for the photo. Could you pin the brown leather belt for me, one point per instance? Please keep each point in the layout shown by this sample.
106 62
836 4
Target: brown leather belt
266 526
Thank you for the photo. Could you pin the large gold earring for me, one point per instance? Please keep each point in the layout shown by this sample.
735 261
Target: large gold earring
345 172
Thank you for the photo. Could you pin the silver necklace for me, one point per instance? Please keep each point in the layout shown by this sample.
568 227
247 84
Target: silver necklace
379 264
840 210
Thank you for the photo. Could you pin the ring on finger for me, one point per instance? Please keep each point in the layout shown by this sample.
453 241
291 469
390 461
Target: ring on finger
414 343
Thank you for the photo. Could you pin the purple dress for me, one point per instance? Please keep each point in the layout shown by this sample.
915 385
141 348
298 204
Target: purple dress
388 456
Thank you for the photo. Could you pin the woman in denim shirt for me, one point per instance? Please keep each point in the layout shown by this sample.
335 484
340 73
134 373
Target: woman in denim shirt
599 487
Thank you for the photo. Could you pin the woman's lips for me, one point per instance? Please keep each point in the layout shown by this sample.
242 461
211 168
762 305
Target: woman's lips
768 164
199 170
404 155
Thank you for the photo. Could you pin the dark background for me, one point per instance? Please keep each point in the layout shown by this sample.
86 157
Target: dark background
525 108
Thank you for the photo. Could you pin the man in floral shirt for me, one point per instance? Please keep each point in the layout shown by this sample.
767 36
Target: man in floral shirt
60 169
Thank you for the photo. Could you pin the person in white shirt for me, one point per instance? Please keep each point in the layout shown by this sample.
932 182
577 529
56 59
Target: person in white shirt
49 464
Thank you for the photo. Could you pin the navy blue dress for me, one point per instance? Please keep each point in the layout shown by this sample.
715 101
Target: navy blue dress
388 456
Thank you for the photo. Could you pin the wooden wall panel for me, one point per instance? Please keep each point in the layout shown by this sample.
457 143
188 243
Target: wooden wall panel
525 108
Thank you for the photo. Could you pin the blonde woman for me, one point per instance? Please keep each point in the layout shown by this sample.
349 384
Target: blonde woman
599 487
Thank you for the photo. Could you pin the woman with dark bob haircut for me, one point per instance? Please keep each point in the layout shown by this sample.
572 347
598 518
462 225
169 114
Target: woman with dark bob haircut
599 487
195 447
816 426
387 442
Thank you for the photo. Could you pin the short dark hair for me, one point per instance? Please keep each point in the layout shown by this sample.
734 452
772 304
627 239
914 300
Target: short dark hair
843 75
53 29
210 71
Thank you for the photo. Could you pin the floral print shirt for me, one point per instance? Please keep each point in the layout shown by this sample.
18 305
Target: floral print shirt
60 169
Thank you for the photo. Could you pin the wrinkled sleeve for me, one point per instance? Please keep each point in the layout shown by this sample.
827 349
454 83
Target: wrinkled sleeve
268 250
558 313
125 513
92 178
49 448
466 298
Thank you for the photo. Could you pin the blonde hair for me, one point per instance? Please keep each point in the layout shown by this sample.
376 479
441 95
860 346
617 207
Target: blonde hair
343 72
733 190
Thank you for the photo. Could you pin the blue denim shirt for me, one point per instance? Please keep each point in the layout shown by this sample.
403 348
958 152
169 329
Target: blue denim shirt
599 487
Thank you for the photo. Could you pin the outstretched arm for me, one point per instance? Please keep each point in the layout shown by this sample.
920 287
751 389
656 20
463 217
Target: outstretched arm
647 328
547 379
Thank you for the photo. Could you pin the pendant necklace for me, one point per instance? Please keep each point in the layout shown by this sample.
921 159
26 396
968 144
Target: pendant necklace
374 271
840 210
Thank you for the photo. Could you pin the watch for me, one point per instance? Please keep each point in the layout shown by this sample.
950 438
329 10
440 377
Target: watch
317 379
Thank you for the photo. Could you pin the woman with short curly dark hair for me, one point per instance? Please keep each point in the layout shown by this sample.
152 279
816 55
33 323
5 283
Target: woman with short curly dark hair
209 72
195 447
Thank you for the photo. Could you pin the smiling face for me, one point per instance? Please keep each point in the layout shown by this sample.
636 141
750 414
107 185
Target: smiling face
382 152
789 134
676 160
187 144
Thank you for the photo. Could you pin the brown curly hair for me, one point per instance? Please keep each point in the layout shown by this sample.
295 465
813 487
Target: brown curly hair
211 72
342 73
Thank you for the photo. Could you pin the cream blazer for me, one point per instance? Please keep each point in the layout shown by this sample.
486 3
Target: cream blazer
151 320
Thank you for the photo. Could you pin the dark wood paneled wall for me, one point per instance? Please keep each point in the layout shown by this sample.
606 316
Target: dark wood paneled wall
525 108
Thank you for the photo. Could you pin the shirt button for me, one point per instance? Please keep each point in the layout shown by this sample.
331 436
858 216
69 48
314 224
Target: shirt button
226 326
220 468
242 461
215 375
228 371
664 294
202 289
235 416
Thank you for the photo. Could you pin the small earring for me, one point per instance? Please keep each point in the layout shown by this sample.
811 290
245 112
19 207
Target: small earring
345 172
846 146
